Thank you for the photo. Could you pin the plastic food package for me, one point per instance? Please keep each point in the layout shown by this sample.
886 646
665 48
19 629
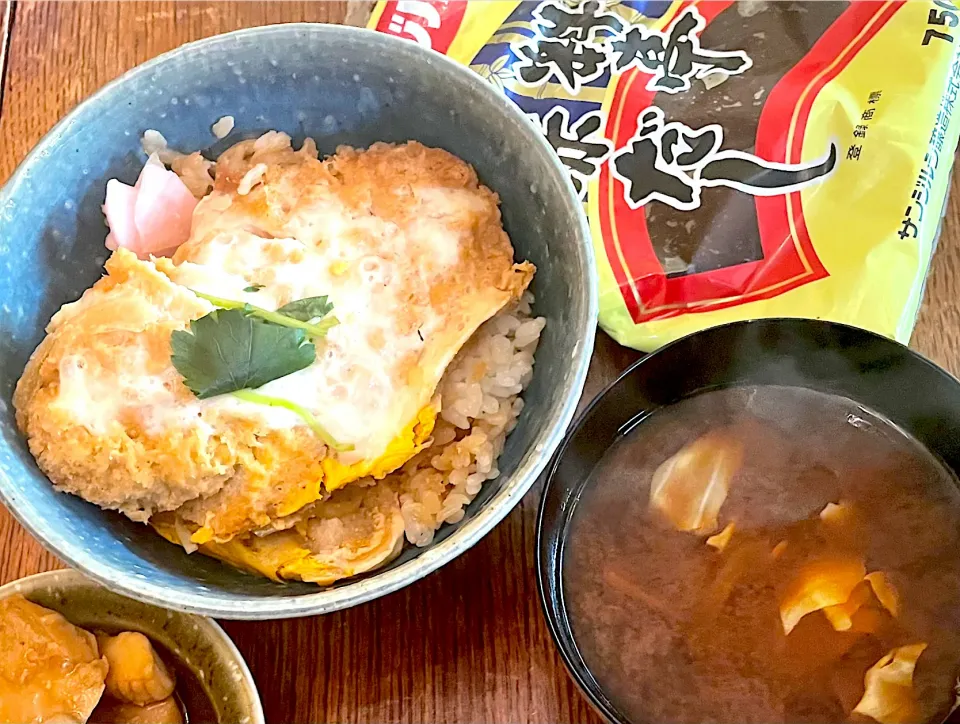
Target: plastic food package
736 160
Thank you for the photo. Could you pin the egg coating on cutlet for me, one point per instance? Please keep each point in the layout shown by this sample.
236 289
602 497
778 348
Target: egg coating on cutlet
405 243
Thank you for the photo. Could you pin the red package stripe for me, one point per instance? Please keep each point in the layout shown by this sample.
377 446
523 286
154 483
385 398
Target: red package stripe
430 24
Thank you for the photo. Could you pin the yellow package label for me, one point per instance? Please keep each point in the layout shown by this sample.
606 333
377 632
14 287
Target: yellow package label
736 160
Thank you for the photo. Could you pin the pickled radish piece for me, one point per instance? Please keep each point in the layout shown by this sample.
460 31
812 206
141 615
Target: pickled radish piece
152 217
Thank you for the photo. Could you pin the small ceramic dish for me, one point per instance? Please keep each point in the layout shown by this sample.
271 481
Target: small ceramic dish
198 647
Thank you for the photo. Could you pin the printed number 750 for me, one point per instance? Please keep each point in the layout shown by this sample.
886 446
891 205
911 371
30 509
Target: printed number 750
946 17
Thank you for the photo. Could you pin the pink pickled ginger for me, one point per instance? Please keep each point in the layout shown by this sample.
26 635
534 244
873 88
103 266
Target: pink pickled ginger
152 217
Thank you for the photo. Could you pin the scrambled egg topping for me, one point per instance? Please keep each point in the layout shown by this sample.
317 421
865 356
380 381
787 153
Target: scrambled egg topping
355 530
402 448
409 249
335 474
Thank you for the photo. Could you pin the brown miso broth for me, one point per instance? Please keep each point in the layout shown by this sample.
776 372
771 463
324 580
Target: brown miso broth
678 631
195 704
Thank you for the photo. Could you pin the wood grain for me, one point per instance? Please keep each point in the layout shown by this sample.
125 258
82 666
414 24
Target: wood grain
6 16
937 334
61 52
467 644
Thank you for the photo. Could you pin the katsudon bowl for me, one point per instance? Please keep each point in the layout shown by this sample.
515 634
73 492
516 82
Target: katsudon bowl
337 85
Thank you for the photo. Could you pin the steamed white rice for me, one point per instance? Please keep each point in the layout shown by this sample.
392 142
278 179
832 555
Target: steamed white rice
481 400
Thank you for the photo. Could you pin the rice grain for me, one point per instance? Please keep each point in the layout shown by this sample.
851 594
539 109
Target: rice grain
222 128
481 403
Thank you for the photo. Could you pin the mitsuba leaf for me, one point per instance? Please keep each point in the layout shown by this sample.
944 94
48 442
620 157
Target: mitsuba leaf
303 311
226 351
307 309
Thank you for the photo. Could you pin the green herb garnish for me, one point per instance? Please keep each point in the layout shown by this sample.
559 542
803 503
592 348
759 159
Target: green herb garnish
304 413
226 351
307 310
279 318
253 288
315 310
241 346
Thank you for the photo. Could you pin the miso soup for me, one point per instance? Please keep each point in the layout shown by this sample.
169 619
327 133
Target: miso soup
768 554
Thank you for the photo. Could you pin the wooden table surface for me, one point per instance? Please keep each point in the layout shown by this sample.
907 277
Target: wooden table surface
468 643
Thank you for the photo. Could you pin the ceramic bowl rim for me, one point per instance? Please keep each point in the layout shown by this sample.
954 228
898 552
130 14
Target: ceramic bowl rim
469 532
212 631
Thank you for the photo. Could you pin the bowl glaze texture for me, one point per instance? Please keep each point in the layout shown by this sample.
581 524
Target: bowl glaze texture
339 85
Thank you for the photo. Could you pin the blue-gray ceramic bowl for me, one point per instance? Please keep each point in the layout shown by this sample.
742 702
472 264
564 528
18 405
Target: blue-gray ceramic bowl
341 86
